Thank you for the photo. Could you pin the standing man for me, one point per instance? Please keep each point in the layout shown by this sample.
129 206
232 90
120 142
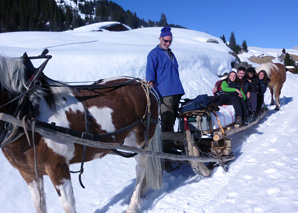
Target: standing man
162 73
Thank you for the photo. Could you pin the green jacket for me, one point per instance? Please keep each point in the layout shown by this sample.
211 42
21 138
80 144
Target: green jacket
225 87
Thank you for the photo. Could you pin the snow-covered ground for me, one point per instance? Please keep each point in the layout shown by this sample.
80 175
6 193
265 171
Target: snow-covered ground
262 178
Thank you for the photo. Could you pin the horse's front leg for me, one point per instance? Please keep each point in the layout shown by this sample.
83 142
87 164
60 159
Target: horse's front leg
36 186
60 177
135 201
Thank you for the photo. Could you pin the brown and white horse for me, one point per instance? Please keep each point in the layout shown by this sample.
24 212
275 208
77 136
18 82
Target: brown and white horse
277 74
108 109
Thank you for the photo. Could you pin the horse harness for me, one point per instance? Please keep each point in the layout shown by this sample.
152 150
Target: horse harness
11 133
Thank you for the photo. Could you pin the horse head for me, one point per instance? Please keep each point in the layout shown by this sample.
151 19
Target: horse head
15 76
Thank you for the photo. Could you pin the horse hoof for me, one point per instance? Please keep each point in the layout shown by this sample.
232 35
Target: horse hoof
277 108
132 211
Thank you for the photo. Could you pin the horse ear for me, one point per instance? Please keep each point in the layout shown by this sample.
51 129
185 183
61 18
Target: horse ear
30 69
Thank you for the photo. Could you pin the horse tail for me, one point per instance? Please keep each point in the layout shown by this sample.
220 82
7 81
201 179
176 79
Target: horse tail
154 172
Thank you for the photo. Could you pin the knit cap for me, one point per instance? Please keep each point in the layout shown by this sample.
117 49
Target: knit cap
166 31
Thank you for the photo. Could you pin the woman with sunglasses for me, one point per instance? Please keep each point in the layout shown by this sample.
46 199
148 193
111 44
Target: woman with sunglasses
162 73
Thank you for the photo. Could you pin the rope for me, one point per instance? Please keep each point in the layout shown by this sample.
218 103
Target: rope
147 87
218 121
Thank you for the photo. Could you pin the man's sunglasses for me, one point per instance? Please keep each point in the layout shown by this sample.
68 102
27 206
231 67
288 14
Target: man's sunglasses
167 41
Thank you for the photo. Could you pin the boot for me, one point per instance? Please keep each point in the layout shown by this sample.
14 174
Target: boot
250 118
254 116
238 120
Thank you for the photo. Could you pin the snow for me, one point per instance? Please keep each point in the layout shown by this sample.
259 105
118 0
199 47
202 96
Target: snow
262 178
99 26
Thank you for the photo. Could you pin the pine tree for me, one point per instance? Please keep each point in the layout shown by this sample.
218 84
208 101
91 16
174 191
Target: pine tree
223 38
150 23
283 51
68 18
163 20
232 43
244 46
288 60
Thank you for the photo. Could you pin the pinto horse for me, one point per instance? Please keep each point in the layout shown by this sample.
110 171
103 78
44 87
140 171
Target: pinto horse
277 74
106 106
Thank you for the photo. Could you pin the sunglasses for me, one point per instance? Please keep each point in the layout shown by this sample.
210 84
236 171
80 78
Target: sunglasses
167 41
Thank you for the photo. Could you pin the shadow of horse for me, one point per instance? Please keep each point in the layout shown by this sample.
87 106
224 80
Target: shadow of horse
285 100
277 74
172 181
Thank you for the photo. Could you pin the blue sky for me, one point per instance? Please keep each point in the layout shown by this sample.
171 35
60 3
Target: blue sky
262 23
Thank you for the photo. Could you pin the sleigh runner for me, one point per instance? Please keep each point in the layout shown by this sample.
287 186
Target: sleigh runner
52 122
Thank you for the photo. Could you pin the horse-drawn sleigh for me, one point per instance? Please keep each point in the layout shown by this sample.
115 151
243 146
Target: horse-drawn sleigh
47 125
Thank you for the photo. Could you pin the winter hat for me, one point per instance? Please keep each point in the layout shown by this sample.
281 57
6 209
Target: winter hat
166 31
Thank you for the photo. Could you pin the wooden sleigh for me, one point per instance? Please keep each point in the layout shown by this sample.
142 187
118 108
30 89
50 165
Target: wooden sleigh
197 138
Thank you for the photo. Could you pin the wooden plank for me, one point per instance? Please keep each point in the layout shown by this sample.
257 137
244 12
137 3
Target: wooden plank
62 138
235 130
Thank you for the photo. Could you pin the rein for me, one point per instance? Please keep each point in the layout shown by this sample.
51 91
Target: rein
146 120
11 133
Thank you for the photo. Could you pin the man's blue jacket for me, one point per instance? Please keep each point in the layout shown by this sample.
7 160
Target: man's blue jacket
162 69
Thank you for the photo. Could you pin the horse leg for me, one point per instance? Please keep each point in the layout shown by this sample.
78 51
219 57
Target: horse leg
36 186
272 100
60 177
277 91
135 201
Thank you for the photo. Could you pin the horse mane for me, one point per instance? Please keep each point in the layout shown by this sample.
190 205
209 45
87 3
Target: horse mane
13 78
268 67
12 75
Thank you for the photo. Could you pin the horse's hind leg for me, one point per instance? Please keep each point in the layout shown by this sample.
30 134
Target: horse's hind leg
36 186
60 177
277 91
135 202
272 100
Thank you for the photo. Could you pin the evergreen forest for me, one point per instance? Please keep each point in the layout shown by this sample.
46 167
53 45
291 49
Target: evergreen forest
51 15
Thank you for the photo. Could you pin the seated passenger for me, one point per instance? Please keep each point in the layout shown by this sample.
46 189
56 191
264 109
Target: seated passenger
253 88
217 91
233 96
244 84
263 83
